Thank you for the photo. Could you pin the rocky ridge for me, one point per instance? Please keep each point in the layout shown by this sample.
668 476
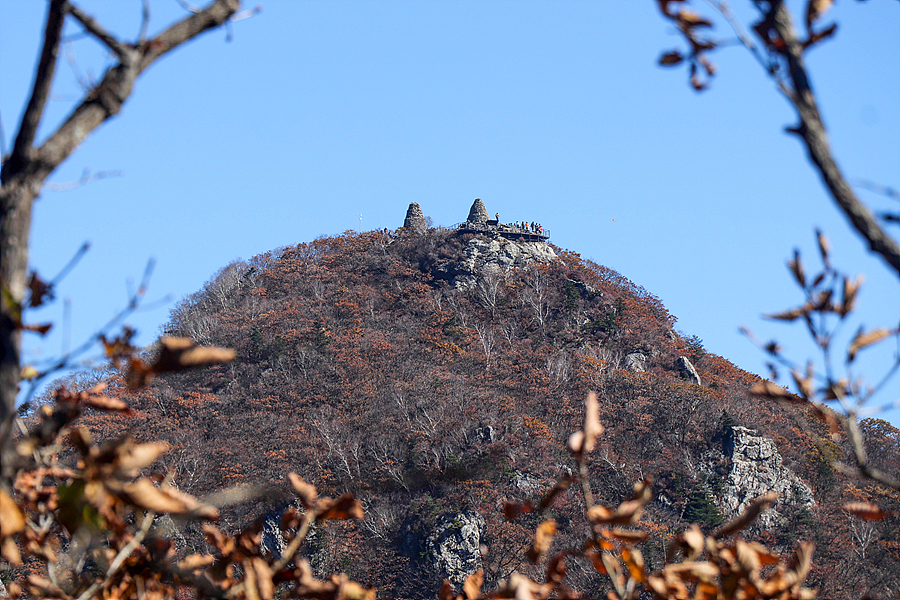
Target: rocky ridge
756 468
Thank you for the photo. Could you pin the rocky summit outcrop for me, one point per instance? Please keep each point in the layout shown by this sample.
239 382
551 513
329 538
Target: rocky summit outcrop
478 214
491 256
415 220
756 467
453 548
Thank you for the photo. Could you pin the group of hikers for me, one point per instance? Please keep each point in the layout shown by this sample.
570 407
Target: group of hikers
526 225
530 226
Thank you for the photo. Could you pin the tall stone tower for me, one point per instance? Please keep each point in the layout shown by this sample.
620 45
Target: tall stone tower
478 213
415 220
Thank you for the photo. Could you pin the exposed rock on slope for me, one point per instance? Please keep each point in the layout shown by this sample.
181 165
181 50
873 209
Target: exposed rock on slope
482 254
756 468
453 549
687 369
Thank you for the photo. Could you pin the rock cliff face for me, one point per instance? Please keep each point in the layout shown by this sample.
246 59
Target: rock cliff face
756 468
482 255
453 548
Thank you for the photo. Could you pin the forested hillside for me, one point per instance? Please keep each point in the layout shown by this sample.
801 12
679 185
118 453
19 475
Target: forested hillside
437 375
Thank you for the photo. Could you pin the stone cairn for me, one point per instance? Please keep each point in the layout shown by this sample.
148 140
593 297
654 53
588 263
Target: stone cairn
415 220
478 214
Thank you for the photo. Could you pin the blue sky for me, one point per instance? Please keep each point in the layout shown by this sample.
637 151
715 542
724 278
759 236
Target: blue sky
320 117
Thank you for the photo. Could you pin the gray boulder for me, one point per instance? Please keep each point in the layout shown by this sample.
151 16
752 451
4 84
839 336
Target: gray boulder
687 370
636 362
415 220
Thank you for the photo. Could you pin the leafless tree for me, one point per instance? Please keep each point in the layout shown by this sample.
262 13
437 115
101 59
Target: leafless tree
863 533
27 167
536 295
486 336
489 287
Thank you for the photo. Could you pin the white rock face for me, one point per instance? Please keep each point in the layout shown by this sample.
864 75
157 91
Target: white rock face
453 548
687 369
481 253
756 468
636 362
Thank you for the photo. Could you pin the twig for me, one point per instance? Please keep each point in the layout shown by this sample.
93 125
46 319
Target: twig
123 52
79 254
86 178
145 20
120 558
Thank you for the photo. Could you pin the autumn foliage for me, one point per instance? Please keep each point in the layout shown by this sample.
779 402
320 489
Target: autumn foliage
360 370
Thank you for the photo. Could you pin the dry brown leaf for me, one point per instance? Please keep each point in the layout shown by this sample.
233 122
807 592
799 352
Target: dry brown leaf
131 457
345 507
671 58
691 19
305 491
695 571
512 510
767 389
866 510
251 589
614 569
561 486
866 339
592 427
543 537
9 550
629 536
694 540
814 11
263 577
848 297
634 560
12 521
446 591
792 314
804 383
748 516
796 267
556 569
177 354
747 556
193 562
40 291
521 587
41 329
576 441
145 494
107 404
472 585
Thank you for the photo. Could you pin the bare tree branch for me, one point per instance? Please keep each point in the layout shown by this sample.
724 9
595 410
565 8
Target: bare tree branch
56 14
812 131
94 28
23 175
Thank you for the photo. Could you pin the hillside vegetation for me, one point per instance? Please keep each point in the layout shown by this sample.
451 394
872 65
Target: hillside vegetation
363 368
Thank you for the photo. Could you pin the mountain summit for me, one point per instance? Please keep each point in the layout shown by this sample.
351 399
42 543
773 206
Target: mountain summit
437 373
